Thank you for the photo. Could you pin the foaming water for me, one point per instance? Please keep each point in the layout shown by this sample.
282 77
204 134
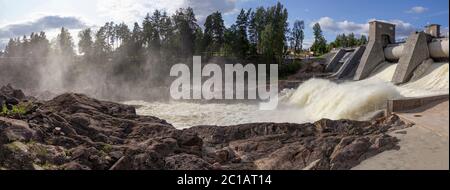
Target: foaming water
187 114
359 100
313 100
320 98
434 82
384 72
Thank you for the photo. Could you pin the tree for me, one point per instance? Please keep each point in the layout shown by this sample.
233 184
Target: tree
11 48
273 38
101 45
267 43
167 32
39 45
199 42
123 35
241 43
136 41
351 40
214 32
319 46
363 40
152 29
85 44
64 44
257 25
298 35
186 26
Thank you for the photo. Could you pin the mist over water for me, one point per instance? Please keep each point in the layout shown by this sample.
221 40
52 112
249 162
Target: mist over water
108 80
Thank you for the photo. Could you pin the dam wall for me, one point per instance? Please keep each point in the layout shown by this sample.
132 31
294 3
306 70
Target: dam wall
415 52
419 51
380 35
400 105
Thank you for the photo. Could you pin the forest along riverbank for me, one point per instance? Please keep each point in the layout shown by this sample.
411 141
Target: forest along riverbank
73 131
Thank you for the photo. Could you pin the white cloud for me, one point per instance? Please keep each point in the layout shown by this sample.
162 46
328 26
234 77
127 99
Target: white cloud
330 25
417 10
134 10
47 24
40 24
307 43
403 29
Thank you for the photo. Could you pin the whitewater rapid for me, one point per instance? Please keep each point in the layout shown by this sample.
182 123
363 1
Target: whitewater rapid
313 100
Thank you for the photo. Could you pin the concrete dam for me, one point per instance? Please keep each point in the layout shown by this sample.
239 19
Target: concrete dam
377 73
413 57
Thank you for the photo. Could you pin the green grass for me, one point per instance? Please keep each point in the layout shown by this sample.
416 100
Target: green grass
107 148
289 69
20 109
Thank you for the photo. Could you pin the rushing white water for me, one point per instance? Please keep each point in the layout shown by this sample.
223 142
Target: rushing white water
384 72
187 114
435 81
313 100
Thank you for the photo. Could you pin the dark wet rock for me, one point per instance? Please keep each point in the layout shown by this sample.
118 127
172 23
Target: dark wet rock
75 132
323 145
10 93
14 130
186 162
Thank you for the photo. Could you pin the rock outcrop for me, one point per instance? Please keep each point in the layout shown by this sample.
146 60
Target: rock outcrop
10 96
75 132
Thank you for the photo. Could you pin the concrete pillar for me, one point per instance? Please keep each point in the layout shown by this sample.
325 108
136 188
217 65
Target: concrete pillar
349 67
433 30
380 35
334 62
415 51
421 69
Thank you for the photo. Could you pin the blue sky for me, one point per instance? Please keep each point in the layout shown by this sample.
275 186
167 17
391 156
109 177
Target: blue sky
21 17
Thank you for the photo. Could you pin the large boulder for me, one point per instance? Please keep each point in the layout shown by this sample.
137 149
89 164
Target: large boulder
14 130
10 95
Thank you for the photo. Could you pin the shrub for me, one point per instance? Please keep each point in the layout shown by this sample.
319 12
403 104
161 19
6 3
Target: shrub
19 109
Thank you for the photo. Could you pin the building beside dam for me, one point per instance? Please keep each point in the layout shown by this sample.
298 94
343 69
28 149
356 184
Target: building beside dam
412 57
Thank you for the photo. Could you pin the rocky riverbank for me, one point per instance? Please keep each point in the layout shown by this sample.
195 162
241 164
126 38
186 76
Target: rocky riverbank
76 132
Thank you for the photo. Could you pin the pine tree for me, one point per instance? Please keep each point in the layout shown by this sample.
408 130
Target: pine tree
186 26
241 43
214 32
137 39
363 40
86 44
64 44
257 24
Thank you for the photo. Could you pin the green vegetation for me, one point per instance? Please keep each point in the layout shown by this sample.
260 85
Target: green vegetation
289 69
349 40
298 35
319 46
20 109
107 148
